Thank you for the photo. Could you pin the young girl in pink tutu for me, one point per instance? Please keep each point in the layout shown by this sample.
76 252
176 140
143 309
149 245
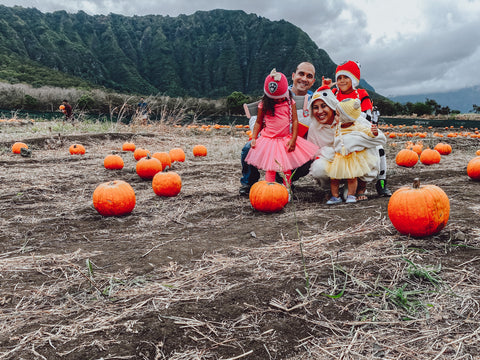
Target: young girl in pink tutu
278 149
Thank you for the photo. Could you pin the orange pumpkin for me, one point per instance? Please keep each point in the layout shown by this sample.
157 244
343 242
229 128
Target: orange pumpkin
473 168
477 153
268 196
16 148
443 149
199 150
177 154
164 158
406 157
430 156
167 184
417 148
113 162
114 198
148 166
77 149
128 146
140 153
419 210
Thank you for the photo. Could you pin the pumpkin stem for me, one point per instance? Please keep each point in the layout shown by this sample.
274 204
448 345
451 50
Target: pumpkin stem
416 183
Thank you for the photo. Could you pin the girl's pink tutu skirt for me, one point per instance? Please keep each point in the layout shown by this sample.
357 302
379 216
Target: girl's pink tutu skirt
271 154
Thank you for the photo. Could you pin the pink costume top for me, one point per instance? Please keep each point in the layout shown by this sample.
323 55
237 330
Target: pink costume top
270 152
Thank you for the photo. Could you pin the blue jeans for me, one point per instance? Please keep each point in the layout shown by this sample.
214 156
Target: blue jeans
250 173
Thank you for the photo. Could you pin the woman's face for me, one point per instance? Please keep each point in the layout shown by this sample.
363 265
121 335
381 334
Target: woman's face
322 112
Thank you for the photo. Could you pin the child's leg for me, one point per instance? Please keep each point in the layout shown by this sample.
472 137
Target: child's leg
334 185
352 186
382 174
270 175
288 176
361 186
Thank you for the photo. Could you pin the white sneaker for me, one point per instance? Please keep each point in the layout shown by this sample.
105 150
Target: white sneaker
351 199
334 200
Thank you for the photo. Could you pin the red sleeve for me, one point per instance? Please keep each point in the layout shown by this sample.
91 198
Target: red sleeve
364 100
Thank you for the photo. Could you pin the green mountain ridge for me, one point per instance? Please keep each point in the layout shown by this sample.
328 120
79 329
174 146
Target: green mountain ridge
208 54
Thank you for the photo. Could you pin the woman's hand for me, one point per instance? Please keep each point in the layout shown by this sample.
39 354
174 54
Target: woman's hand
253 143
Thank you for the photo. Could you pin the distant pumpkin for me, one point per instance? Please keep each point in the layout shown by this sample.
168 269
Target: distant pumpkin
113 162
16 148
443 149
140 153
167 184
148 166
177 154
128 146
477 153
199 150
77 149
114 198
406 158
430 157
473 168
164 158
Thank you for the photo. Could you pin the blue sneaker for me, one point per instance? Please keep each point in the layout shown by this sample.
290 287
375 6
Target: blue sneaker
334 200
351 199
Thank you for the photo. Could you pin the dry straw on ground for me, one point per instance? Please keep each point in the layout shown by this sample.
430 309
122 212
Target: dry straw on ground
204 276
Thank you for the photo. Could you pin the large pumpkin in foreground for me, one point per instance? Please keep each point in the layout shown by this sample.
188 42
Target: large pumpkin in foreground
268 196
114 198
421 210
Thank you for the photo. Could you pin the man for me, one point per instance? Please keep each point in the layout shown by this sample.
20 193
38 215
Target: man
68 111
302 80
142 111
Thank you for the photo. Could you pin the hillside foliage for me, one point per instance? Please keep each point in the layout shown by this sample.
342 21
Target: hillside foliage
208 54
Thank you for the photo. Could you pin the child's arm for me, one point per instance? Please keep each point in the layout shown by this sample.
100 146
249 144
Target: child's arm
257 127
291 144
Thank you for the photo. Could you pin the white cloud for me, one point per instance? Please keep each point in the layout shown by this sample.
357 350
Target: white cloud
404 46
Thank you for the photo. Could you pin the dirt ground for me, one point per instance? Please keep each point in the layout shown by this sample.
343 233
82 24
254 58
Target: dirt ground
204 276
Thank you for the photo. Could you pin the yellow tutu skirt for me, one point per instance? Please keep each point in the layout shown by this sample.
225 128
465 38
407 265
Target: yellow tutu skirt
355 164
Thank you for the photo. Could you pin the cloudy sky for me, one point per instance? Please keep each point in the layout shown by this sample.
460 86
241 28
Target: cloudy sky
405 47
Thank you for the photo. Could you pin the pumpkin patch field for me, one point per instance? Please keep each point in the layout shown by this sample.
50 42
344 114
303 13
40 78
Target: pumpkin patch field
193 271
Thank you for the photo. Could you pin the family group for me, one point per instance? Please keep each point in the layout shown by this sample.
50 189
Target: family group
342 144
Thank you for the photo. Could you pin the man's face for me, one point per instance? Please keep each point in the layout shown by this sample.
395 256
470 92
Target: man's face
303 79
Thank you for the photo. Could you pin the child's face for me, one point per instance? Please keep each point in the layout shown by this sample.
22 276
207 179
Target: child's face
344 83
322 112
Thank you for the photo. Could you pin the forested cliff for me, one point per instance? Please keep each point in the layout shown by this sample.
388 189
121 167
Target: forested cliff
207 54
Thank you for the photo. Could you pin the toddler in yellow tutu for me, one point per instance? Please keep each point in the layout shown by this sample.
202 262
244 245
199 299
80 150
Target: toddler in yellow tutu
354 149
278 149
